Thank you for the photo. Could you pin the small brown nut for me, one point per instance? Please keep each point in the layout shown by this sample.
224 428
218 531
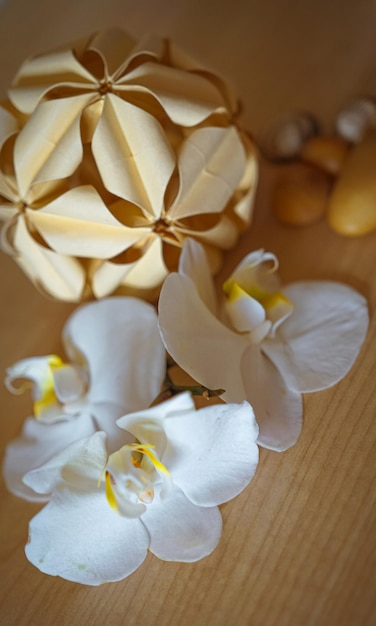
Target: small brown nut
300 194
328 152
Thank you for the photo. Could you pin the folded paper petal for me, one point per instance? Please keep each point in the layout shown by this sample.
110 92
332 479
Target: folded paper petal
49 146
78 223
318 344
150 271
41 73
8 124
187 98
133 154
211 163
143 122
61 276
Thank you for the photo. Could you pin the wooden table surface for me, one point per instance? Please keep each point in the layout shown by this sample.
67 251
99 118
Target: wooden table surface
298 546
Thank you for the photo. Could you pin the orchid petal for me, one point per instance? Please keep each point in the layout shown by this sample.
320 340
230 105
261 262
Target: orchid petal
80 538
211 162
126 360
244 312
148 425
36 369
318 344
194 264
37 444
133 154
197 341
105 416
212 453
69 382
251 272
181 531
278 410
79 465
78 223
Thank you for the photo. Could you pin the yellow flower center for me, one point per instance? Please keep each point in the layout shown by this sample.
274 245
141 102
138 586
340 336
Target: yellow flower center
47 386
136 483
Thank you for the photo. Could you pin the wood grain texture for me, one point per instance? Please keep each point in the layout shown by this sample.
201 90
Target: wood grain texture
298 545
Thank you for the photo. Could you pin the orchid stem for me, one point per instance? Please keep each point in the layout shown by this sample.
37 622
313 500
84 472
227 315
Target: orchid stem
171 389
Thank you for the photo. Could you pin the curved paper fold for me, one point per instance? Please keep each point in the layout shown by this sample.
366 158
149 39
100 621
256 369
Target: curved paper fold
61 276
187 98
150 271
113 46
179 58
49 146
78 223
40 74
8 124
132 154
211 162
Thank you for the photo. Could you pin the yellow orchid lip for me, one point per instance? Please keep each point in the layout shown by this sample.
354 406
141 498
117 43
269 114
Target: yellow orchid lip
48 397
144 495
268 300
110 495
146 449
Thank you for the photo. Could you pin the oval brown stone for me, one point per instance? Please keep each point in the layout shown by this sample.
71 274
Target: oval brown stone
352 205
300 194
329 152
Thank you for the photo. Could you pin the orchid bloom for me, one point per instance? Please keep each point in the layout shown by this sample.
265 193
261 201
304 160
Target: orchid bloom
117 364
264 345
159 491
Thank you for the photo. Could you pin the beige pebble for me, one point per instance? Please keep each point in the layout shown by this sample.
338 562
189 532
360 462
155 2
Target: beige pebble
284 139
352 205
329 152
300 194
356 118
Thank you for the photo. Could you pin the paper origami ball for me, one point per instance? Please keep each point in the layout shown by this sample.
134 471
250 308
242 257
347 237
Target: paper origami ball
112 153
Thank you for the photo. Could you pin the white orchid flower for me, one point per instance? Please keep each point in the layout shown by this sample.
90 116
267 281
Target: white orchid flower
264 345
159 493
117 364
